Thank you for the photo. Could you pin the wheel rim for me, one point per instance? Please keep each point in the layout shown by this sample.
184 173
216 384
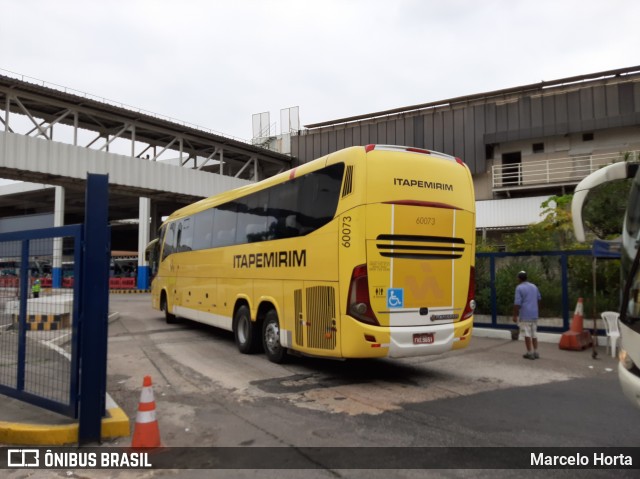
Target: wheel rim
272 337
243 329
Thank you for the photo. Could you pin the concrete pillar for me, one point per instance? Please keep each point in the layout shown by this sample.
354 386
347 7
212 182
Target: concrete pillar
143 240
58 220
155 220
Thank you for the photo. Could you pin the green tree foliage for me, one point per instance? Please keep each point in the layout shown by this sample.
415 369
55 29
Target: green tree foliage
603 214
553 233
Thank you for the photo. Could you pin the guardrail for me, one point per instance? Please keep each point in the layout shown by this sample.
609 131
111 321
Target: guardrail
567 170
68 282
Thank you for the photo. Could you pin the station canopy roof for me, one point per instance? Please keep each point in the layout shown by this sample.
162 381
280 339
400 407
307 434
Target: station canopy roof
512 213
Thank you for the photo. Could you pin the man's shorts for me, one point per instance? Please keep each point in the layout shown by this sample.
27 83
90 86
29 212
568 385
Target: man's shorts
529 328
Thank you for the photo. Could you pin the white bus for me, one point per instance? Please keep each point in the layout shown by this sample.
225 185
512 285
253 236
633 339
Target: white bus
629 365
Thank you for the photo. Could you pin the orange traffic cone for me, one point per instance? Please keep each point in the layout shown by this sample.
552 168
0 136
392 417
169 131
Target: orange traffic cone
146 432
576 338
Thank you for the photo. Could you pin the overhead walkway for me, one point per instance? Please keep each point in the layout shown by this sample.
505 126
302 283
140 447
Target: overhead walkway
55 136
51 162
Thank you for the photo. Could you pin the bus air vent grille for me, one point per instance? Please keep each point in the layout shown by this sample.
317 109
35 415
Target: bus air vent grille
321 317
347 187
420 247
297 306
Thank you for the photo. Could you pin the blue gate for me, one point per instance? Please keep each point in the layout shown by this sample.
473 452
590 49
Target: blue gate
53 325
38 323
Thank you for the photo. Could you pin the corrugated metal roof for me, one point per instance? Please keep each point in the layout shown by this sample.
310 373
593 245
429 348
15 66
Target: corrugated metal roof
543 85
509 213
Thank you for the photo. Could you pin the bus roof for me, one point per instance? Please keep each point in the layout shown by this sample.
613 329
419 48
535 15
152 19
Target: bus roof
290 174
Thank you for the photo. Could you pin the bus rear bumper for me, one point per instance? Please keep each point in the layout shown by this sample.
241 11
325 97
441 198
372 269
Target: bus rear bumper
368 341
405 341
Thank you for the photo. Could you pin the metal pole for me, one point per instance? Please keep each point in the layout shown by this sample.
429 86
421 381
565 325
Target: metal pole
143 238
494 296
22 315
565 292
594 331
94 309
58 220
6 113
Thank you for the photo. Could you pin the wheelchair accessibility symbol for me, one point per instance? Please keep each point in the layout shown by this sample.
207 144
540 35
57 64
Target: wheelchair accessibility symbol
395 298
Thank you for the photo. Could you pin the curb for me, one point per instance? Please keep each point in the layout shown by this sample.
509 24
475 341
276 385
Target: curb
506 334
115 424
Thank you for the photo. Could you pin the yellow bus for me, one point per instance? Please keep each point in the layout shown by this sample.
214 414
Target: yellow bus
366 252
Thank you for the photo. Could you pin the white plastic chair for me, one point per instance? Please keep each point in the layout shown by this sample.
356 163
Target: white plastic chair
610 319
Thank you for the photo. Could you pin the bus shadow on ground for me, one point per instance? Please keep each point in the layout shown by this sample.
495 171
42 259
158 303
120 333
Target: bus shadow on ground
325 373
321 373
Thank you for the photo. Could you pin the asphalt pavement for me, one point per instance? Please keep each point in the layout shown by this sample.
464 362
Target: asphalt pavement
208 394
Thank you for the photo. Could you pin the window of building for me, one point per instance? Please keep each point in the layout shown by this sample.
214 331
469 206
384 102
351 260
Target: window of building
489 151
587 137
538 147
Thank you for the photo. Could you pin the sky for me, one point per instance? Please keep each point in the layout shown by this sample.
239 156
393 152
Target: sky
215 63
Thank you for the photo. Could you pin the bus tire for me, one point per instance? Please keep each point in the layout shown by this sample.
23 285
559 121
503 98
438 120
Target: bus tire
244 331
164 306
275 352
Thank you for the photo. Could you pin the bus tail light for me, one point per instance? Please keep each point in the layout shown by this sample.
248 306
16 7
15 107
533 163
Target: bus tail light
470 306
359 303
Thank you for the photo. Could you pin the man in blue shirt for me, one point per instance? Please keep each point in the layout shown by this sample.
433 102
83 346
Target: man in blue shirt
526 305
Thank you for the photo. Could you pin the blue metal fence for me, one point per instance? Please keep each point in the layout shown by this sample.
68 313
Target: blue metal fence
557 274
38 326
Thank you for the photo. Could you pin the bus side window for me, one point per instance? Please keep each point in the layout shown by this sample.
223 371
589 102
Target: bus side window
169 241
224 225
252 218
185 235
319 197
178 238
283 206
203 235
161 236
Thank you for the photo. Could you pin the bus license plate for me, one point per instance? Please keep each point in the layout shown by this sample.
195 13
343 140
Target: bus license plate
423 338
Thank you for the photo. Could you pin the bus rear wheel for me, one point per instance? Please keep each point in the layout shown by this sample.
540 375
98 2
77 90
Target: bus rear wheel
168 317
271 338
244 331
